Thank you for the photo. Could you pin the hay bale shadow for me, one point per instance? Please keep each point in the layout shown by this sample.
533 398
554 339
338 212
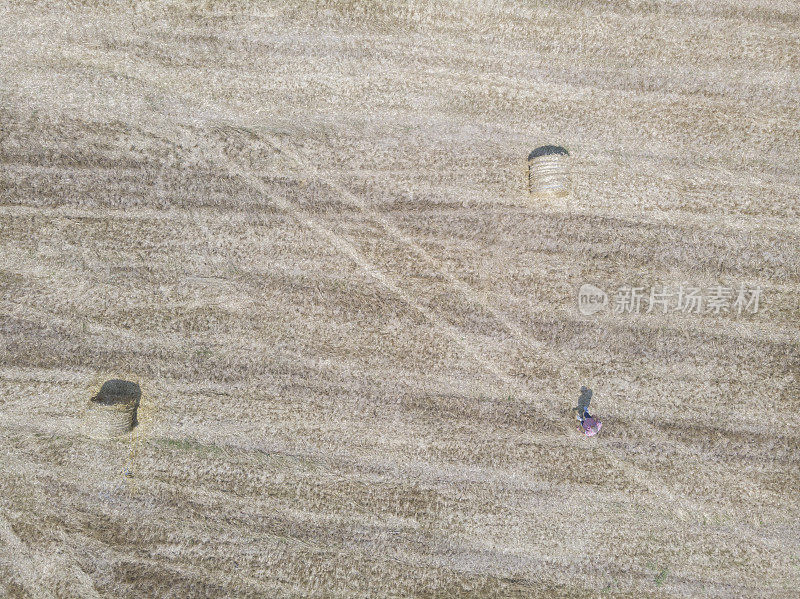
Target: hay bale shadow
113 411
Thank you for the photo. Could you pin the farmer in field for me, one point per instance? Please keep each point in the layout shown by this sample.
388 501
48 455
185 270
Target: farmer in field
588 425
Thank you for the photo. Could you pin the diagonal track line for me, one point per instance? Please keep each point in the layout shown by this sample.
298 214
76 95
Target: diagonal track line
653 483
190 100
387 281
471 294
656 487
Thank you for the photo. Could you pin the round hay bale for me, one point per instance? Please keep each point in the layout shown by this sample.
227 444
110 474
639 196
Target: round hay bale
112 412
548 171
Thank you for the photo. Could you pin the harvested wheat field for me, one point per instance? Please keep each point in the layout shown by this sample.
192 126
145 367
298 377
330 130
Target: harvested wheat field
304 231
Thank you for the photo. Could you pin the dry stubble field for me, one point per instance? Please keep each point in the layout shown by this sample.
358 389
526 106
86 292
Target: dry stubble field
304 231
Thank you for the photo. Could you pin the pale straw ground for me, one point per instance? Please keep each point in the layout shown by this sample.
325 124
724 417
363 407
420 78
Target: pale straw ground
303 229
